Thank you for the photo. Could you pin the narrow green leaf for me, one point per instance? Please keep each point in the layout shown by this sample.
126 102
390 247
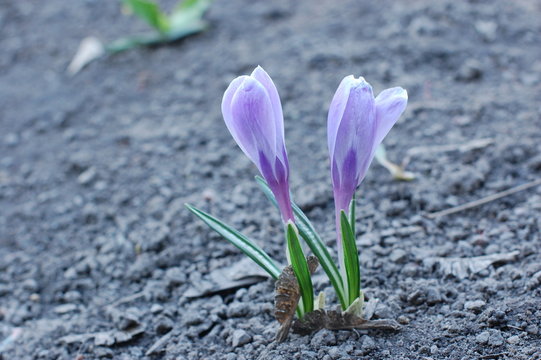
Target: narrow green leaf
351 259
314 241
300 268
150 12
244 244
352 215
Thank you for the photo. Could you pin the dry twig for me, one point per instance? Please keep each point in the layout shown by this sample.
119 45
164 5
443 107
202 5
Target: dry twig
484 200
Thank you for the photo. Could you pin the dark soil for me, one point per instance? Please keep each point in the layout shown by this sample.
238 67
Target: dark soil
97 251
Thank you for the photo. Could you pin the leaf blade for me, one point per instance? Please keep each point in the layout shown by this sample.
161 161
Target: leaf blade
149 12
351 258
300 268
244 244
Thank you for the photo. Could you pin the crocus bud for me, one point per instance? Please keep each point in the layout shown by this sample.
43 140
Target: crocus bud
253 114
356 125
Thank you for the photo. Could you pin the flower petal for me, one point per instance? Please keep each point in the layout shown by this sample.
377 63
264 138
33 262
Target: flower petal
251 120
261 75
390 104
356 132
336 111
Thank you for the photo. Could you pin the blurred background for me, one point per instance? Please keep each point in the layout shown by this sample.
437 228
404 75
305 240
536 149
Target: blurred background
95 167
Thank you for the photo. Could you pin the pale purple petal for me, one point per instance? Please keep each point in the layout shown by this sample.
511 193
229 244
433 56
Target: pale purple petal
226 111
356 131
261 75
390 104
252 122
336 110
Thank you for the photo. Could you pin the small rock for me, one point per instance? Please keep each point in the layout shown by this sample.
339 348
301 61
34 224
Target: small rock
433 296
193 318
475 306
87 176
398 256
175 276
404 320
156 308
487 29
368 344
417 297
513 339
237 309
470 71
104 339
323 338
240 337
482 338
65 308
164 325
495 339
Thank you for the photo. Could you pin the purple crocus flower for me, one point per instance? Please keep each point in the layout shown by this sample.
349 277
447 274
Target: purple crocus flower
357 123
253 114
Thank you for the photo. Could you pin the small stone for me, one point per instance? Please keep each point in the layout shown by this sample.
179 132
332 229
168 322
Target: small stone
193 318
156 308
532 329
65 308
104 339
487 29
495 339
475 306
175 276
323 338
470 71
368 344
404 320
398 256
482 338
164 325
513 340
237 309
417 297
433 296
240 337
87 176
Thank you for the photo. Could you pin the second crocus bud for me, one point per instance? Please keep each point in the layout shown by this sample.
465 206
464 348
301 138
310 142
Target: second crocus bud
253 114
356 125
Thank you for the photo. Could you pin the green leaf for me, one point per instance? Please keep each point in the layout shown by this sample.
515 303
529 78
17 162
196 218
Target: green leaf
300 268
150 12
314 241
244 244
351 259
352 213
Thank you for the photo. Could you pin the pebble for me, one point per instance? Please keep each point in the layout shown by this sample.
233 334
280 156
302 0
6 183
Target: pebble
398 256
65 308
323 338
482 338
368 344
515 339
87 176
156 308
240 337
475 306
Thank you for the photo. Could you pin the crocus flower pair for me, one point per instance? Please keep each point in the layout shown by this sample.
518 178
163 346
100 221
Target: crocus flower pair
356 125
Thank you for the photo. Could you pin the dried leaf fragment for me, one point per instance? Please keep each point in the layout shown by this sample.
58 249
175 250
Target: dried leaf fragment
287 295
338 320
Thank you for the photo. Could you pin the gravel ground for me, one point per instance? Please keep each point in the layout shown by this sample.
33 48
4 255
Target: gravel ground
99 259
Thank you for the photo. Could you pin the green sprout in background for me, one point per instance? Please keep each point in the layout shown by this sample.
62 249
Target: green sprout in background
185 19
